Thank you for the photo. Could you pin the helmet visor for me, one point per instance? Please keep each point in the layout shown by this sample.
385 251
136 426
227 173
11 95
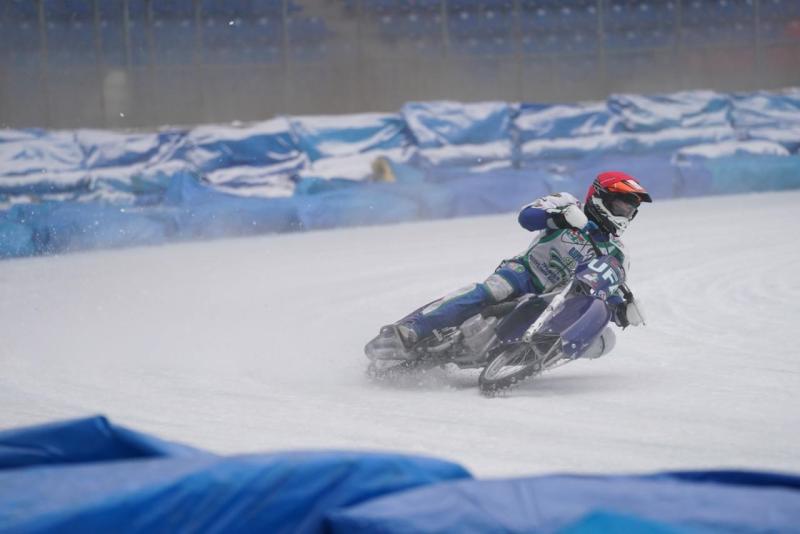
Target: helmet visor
623 205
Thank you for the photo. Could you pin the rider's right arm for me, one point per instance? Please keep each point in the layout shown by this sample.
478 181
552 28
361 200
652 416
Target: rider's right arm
533 219
538 214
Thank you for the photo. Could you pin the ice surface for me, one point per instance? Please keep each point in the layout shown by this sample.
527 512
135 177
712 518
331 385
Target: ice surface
256 345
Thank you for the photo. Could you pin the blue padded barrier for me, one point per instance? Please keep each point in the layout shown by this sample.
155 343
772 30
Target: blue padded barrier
69 190
91 476
16 239
654 169
373 204
200 211
70 226
742 174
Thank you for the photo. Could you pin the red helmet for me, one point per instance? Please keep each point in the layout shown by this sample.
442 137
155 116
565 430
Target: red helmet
613 200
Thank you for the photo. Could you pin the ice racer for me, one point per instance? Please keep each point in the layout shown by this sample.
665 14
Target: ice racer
565 233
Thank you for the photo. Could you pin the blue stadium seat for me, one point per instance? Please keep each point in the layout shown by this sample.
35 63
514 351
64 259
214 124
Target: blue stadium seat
719 22
578 69
112 33
238 41
138 33
418 25
570 15
174 41
274 7
539 20
633 24
779 21
382 7
19 40
68 9
464 5
69 27
424 6
541 42
227 8
174 32
307 38
70 42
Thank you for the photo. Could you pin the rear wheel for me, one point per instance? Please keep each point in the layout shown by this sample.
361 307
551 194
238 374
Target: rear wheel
430 352
381 370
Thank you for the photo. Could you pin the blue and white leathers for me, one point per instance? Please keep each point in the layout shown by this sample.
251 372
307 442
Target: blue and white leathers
549 261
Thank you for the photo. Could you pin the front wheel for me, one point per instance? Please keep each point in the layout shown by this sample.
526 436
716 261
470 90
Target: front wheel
509 367
518 362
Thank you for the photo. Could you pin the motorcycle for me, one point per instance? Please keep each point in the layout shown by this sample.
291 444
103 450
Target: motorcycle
521 338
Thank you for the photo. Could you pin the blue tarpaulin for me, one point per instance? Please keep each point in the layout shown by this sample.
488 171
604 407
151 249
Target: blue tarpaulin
71 190
699 502
90 475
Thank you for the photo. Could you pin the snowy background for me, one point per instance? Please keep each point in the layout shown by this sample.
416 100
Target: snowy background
255 344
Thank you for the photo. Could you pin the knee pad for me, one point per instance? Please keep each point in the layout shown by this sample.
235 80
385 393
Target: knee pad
458 293
498 288
602 345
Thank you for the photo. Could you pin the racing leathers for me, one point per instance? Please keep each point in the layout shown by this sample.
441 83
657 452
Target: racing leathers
548 263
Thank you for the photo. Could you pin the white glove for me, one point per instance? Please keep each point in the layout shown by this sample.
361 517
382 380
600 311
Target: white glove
569 217
634 314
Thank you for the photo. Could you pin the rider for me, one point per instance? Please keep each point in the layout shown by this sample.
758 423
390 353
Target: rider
560 244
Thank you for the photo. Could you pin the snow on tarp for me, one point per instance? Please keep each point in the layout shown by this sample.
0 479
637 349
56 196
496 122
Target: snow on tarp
690 109
102 148
466 155
442 123
92 476
544 121
764 108
48 163
731 148
63 190
265 144
694 502
356 167
345 135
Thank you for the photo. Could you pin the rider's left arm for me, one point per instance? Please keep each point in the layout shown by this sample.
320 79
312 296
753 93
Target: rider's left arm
626 312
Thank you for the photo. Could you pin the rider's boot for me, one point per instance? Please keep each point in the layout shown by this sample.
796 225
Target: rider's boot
392 343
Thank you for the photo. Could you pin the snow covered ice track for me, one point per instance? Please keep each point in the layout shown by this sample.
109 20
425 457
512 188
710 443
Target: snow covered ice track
256 344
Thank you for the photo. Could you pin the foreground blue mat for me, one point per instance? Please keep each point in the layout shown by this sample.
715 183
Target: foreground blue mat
90 475
671 502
